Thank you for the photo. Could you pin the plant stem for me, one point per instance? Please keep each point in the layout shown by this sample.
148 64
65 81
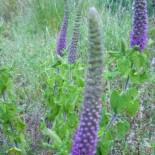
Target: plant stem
114 116
12 130
55 83
126 84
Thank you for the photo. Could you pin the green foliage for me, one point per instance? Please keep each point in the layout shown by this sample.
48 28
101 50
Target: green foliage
124 67
4 79
103 147
122 127
11 123
133 65
128 101
119 102
14 151
64 96
52 134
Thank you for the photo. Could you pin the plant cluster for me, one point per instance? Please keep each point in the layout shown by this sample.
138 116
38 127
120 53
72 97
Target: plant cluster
93 103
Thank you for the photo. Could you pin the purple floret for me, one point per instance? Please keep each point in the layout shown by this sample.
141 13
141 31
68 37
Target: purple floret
138 37
75 37
72 51
61 41
86 138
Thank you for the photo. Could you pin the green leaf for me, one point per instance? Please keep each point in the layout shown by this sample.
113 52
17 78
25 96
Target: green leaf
3 107
51 114
56 64
137 78
124 67
19 125
105 144
122 128
147 53
53 136
138 60
115 53
150 42
152 31
119 102
133 108
47 145
72 120
132 93
135 49
79 82
134 77
70 105
104 118
14 151
110 75
103 147
7 112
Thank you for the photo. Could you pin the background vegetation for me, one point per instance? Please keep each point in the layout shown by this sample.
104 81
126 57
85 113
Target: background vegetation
28 32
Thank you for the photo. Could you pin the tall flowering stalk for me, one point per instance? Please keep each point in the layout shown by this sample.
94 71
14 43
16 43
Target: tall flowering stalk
86 138
61 41
138 36
74 42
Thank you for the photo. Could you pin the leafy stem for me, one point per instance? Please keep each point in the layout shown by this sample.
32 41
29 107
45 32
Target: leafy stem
115 116
127 83
10 124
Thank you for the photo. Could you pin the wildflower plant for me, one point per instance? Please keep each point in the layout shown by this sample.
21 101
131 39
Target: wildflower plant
134 60
86 138
61 41
133 65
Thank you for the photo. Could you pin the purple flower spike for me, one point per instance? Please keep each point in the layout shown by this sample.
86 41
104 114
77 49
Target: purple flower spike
86 139
138 37
75 36
61 41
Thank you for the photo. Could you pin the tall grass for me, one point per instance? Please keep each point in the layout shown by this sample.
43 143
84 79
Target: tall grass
11 8
48 13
